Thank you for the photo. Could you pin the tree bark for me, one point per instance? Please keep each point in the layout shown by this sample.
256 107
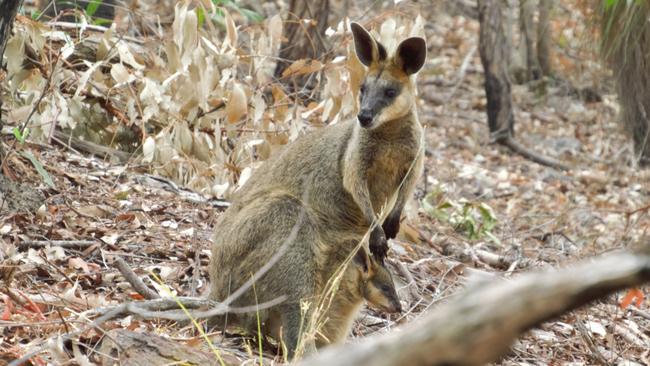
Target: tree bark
8 10
494 57
303 39
123 347
479 325
493 48
527 26
626 46
544 37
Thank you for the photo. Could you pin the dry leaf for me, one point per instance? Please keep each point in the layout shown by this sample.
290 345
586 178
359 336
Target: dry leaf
237 106
231 29
302 67
78 263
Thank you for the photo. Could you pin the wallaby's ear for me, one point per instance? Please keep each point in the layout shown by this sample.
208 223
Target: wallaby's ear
363 260
411 54
368 50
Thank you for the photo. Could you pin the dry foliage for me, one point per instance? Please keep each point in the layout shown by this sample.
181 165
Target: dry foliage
202 105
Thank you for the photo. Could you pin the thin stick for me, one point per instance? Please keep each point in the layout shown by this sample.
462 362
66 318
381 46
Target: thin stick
56 243
134 280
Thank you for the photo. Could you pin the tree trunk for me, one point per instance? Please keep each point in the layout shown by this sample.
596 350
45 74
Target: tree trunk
626 45
493 48
544 37
303 39
527 26
8 10
494 57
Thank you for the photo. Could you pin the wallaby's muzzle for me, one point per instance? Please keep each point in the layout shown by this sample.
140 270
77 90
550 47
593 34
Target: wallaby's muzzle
365 118
396 307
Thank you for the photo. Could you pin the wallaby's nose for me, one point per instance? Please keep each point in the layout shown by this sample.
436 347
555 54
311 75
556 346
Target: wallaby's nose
398 307
365 118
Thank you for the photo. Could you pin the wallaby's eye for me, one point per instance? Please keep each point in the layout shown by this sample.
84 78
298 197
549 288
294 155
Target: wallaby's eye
363 89
390 92
385 288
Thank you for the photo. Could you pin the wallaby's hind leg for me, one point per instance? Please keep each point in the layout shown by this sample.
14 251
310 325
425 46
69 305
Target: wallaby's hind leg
247 240
295 323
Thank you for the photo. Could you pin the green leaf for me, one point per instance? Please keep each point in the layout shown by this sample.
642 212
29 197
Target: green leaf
102 21
494 239
92 7
200 15
122 196
39 168
251 15
20 136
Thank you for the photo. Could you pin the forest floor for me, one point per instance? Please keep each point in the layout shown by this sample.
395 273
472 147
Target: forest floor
478 207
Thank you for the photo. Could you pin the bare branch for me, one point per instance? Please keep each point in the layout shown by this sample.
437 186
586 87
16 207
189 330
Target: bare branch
56 243
134 280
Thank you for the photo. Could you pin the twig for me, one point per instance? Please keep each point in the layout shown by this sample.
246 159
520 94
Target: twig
531 155
639 312
411 284
167 308
95 324
134 280
93 27
74 144
586 337
488 258
630 337
56 243
152 309
166 184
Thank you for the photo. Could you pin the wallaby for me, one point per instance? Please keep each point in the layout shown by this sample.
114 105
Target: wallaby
247 240
326 190
363 278
354 169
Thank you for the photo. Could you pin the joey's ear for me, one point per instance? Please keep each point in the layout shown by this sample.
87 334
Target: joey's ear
364 262
368 50
411 54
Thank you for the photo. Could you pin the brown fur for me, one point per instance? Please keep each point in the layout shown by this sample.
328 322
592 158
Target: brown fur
332 182
364 278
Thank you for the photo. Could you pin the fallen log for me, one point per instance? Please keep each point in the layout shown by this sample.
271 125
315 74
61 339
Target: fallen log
123 347
479 324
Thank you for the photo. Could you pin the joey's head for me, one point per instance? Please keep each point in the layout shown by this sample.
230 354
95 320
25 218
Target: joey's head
388 90
377 284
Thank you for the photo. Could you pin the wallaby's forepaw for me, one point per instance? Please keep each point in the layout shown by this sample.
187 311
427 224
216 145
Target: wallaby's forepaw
391 226
378 244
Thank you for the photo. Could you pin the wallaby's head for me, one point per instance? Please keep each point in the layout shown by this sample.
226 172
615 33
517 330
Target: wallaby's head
376 284
388 90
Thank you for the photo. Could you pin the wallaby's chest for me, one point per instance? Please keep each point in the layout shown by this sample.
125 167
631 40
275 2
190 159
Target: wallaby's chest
387 167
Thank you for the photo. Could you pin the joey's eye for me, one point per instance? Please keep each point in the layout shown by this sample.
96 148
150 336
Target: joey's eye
385 288
390 92
363 89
